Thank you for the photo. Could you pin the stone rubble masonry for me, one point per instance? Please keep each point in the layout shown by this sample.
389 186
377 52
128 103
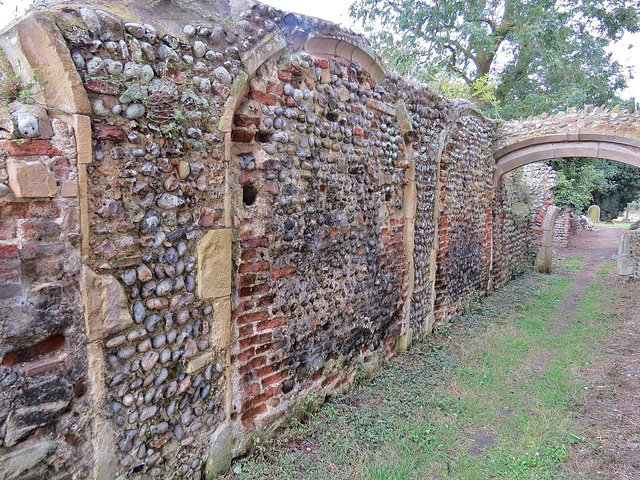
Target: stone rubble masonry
43 370
216 220
30 178
629 254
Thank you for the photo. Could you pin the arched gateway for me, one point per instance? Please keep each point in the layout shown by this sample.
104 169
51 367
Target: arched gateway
599 133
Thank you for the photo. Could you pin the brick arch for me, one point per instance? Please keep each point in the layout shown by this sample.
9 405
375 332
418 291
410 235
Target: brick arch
599 133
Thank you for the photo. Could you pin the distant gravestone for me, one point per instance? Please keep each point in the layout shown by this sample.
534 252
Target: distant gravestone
594 213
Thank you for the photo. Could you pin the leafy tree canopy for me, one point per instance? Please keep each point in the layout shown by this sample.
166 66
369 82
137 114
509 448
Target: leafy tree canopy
586 181
535 55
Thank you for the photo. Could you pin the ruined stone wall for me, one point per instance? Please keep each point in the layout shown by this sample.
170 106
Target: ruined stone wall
253 211
464 232
513 232
564 227
44 406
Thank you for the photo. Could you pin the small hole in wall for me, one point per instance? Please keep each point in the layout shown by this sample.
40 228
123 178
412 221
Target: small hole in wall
263 137
249 194
387 197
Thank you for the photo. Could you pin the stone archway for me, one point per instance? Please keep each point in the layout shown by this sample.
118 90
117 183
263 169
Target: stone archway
598 133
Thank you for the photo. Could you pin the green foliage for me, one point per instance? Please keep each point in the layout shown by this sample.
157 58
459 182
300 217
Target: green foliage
578 179
10 88
585 181
538 56
625 180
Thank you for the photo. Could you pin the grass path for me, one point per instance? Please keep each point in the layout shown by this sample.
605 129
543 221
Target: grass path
497 393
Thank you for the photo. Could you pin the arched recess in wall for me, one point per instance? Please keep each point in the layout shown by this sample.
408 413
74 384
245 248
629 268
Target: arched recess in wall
302 218
323 46
463 228
608 147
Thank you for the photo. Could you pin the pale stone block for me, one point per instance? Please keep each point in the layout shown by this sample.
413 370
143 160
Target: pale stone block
550 217
214 261
84 144
271 45
70 189
322 45
106 305
363 58
626 265
103 438
404 342
547 238
594 213
19 460
381 107
543 260
410 196
30 179
221 450
345 49
221 328
198 363
239 90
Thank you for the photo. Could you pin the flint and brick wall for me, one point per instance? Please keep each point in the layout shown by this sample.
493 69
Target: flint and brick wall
231 217
43 401
465 217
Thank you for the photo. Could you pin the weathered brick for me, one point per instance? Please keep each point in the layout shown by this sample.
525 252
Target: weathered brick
248 415
270 324
9 270
8 251
252 318
36 250
255 362
284 76
242 136
8 229
254 267
247 255
284 272
245 331
275 379
26 148
244 355
255 242
255 290
40 230
262 97
255 340
246 121
109 133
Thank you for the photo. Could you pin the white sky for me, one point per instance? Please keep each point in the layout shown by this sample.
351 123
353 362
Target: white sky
338 11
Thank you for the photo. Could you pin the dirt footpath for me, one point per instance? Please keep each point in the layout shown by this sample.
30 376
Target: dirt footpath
611 403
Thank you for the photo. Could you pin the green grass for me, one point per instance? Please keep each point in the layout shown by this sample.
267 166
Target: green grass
567 265
615 224
489 395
